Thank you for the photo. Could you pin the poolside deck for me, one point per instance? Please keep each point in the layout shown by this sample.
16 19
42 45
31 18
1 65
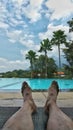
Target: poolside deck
65 99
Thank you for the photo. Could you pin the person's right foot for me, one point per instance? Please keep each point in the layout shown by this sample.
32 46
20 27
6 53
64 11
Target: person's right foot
27 95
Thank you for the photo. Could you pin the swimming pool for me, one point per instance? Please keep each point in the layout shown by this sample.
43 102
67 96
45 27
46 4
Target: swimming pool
11 84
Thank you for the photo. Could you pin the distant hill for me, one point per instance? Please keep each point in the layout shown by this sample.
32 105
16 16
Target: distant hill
16 73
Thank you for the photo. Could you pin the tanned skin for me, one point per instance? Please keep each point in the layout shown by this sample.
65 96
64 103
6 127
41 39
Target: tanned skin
22 119
57 119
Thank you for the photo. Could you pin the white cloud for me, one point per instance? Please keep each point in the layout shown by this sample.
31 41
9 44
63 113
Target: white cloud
50 29
14 36
29 44
3 25
32 10
70 36
18 1
14 22
3 11
61 8
24 52
12 41
6 65
12 16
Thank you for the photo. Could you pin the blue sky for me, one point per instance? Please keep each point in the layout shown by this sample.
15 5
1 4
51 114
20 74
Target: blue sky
25 23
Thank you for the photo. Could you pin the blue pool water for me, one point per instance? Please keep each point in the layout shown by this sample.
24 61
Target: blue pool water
38 84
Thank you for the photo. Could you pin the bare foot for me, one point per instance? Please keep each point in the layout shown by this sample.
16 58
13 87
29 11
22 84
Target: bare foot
27 95
52 95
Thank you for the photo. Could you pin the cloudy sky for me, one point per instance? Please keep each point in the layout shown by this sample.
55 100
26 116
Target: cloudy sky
25 23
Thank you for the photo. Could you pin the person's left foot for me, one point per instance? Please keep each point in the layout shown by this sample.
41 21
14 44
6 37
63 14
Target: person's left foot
46 107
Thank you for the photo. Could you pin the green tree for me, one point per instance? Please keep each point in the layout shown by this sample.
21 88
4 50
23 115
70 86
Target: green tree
52 67
45 46
31 55
68 51
70 23
40 66
59 38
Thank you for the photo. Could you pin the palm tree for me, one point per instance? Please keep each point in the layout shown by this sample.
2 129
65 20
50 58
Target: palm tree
31 55
45 46
58 38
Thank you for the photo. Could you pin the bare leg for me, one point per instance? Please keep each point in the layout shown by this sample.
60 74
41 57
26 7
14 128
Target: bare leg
22 119
57 119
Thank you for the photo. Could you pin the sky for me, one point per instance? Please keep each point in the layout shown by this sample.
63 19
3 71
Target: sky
25 23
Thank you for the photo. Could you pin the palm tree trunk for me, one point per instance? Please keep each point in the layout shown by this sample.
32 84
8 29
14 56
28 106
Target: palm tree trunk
45 64
59 60
31 69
